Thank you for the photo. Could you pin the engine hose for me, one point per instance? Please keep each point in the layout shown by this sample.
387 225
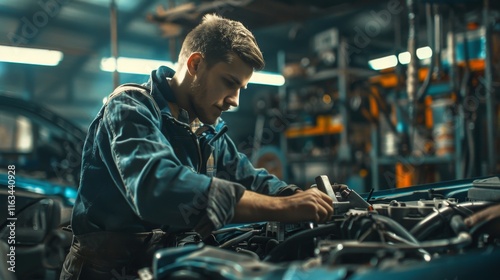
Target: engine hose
284 248
226 230
490 226
400 231
247 252
396 228
457 224
238 239
434 221
259 239
270 245
460 241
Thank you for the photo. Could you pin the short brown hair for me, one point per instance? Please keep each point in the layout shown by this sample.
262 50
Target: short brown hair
217 38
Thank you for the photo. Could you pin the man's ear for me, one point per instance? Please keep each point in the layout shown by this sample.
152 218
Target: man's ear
193 63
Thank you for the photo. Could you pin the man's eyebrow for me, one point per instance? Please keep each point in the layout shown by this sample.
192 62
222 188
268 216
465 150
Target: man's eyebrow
237 81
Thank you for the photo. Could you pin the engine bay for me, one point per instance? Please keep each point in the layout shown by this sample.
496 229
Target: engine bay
405 233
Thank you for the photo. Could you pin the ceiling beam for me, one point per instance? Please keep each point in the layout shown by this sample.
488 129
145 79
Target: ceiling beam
80 30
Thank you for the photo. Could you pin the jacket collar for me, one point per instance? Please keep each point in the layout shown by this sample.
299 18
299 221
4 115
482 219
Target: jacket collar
160 89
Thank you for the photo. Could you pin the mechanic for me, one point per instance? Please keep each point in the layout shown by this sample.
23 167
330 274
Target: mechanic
157 161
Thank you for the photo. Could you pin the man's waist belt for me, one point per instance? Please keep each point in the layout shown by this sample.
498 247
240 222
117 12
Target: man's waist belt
116 245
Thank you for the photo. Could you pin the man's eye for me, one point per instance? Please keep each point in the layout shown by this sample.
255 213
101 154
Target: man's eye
229 83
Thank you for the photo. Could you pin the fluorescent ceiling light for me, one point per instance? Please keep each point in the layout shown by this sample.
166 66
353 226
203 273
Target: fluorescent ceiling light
383 62
30 56
145 66
133 65
422 53
266 78
404 57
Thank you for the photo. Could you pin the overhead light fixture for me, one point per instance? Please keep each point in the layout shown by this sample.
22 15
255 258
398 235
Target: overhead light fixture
266 78
145 66
403 58
422 53
383 62
30 56
133 65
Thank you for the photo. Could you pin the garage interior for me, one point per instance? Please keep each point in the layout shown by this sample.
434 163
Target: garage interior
378 95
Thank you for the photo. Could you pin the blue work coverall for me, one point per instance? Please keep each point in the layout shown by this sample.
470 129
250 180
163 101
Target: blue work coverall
145 175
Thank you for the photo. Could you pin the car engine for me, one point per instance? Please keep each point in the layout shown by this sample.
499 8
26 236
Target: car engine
408 233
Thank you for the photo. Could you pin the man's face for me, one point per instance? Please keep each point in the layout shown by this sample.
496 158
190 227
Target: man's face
216 89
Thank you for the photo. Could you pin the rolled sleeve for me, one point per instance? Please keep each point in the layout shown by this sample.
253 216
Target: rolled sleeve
221 203
288 190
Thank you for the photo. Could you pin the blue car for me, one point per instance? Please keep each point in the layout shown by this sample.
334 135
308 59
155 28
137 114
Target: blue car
40 143
39 171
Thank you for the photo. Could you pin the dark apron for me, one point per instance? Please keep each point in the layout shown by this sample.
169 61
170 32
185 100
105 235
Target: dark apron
112 255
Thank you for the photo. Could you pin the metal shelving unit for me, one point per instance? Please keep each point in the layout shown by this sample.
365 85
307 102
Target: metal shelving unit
329 163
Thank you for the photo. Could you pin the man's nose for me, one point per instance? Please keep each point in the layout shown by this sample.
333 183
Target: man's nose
233 99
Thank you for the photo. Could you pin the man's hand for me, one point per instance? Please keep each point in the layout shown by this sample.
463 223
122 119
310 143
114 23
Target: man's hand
309 205
483 215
